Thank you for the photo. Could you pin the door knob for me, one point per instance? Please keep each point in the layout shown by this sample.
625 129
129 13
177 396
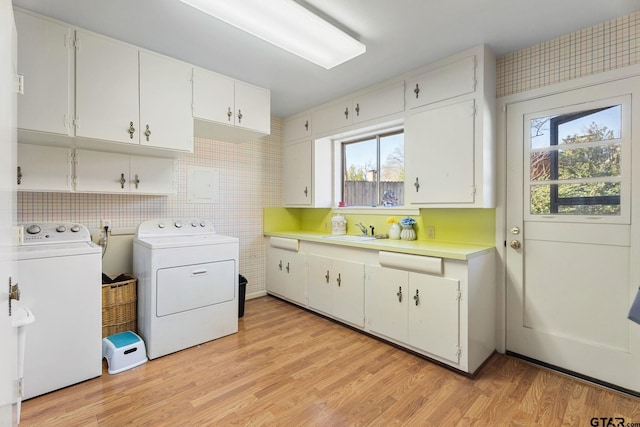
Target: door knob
515 244
515 230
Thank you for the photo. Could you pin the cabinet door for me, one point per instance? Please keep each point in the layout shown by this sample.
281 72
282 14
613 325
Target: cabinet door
150 175
45 58
274 271
445 82
439 146
297 174
320 283
253 108
165 103
106 89
286 275
213 97
332 117
98 172
43 168
379 103
297 128
388 290
434 313
348 297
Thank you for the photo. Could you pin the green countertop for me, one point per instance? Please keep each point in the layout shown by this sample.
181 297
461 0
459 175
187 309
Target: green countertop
460 251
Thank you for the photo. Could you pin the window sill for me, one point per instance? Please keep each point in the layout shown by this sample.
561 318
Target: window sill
377 210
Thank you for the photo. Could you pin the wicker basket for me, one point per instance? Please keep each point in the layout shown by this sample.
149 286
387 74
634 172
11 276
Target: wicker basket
119 306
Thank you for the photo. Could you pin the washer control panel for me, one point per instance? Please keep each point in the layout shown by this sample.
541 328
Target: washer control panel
53 232
175 227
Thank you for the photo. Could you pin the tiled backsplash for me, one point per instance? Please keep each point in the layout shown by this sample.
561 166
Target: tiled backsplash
607 46
250 180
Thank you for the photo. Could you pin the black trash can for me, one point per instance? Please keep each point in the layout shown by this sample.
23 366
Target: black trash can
242 292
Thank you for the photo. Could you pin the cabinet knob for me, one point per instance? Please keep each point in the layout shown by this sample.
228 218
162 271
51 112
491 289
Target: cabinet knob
287 267
147 133
131 130
327 276
19 175
280 265
306 191
417 185
122 181
136 181
239 116
399 294
358 110
339 280
417 90
346 113
416 298
306 125
229 114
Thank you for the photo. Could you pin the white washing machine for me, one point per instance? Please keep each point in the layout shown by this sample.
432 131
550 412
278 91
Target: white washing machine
60 275
187 284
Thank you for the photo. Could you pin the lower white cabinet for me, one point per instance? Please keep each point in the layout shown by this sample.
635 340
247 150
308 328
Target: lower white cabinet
286 274
420 310
100 172
336 287
42 168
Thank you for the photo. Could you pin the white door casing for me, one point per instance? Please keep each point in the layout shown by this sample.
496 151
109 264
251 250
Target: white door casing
570 284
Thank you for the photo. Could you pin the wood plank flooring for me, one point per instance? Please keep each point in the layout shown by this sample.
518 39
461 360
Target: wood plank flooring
288 367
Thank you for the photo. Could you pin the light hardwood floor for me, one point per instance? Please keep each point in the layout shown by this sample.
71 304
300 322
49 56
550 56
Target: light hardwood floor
288 367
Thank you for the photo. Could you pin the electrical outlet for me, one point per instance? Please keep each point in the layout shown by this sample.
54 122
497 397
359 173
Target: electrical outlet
431 232
106 223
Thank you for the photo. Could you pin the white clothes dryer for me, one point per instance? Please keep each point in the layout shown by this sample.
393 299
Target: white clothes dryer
60 275
187 284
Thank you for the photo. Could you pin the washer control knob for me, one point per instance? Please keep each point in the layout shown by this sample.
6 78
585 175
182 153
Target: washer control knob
193 224
178 224
202 224
61 229
161 225
33 229
75 228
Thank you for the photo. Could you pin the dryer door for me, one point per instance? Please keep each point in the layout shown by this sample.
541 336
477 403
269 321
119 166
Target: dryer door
191 287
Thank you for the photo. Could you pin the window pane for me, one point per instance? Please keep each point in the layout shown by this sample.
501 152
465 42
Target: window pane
576 163
360 173
579 127
601 198
392 170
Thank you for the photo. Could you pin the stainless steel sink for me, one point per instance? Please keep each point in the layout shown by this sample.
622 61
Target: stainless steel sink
350 238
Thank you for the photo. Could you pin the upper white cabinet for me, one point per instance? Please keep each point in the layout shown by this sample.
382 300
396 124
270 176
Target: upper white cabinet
131 97
450 134
220 100
361 108
42 168
45 59
442 81
307 173
297 127
98 172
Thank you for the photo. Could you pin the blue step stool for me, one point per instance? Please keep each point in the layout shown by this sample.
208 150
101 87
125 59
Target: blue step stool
123 351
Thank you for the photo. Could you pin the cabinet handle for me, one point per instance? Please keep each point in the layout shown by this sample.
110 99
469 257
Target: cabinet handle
327 276
147 133
131 130
358 110
19 175
417 185
122 180
399 294
287 267
280 265
339 280
417 90
239 116
306 191
136 181
346 113
229 114
416 298
306 125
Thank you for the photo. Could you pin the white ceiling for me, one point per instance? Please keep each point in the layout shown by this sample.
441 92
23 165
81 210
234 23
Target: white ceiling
400 35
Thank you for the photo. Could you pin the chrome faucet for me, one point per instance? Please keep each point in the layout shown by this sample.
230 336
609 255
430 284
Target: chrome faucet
362 228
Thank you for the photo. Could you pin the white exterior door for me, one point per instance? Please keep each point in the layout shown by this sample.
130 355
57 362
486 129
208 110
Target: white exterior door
8 123
572 222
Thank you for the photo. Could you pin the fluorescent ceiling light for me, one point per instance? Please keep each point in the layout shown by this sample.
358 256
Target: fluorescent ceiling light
287 25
